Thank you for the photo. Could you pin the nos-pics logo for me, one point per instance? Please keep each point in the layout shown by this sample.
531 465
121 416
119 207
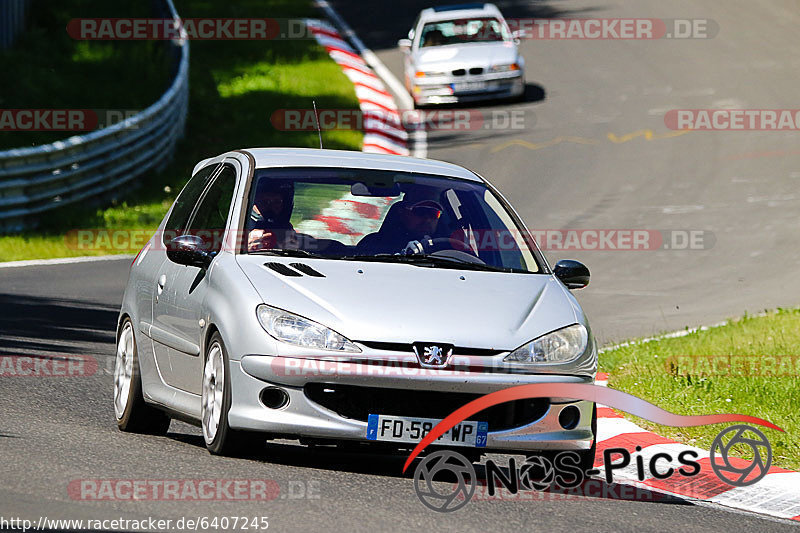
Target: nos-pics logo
446 481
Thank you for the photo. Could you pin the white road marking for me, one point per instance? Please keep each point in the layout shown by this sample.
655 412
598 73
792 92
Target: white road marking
64 261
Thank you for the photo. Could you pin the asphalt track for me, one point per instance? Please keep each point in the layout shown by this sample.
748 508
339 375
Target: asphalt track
579 163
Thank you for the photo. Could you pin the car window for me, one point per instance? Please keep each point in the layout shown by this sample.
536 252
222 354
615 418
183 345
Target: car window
462 31
378 214
184 205
211 215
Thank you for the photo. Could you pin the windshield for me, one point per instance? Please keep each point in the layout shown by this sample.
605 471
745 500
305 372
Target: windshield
384 216
460 31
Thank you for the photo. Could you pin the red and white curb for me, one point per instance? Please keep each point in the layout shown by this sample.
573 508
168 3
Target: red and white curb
350 217
383 125
775 495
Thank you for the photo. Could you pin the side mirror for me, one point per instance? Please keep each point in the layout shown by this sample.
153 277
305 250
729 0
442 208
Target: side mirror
573 274
404 44
189 250
517 35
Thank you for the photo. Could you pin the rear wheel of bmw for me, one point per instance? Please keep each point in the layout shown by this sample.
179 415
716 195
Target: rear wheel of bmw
132 413
219 437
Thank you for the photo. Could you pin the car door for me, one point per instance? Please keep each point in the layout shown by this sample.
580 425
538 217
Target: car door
163 330
190 284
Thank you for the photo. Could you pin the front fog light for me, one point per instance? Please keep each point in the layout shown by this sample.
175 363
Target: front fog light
560 346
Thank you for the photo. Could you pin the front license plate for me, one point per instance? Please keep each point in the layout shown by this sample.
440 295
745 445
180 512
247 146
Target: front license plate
469 86
405 429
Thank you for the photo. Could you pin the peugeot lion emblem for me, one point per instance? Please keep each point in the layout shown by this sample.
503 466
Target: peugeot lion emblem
433 355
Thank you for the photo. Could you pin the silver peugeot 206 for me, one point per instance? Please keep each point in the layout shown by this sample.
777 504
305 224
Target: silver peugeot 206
347 298
462 53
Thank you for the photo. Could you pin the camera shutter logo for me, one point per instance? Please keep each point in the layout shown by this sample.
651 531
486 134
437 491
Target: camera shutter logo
537 472
731 441
445 497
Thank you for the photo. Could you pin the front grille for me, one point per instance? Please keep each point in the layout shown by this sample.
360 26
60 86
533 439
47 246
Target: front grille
403 347
459 72
476 70
357 403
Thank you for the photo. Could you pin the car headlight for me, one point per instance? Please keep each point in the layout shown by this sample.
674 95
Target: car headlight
505 68
295 329
422 74
560 346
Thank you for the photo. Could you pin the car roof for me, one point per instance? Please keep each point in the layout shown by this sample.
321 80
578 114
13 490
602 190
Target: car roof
314 157
459 11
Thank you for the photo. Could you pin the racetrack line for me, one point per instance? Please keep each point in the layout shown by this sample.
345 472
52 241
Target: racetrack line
62 430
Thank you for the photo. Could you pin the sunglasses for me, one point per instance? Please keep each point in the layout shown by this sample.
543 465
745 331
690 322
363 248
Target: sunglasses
424 211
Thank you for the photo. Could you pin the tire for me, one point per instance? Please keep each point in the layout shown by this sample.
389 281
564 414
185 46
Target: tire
588 456
132 413
219 437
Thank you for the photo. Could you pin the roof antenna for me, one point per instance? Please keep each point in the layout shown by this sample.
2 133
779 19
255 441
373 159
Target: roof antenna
319 131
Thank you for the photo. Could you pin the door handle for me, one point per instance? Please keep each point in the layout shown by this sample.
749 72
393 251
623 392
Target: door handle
162 281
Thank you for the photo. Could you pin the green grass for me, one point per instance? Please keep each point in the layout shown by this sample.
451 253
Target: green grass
48 69
235 87
655 371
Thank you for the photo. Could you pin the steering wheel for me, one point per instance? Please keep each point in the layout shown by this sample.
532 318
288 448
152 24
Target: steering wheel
442 246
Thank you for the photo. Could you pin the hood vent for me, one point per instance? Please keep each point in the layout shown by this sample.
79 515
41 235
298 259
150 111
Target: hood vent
282 269
307 270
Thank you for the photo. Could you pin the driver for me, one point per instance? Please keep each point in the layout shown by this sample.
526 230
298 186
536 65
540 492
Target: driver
407 221
269 225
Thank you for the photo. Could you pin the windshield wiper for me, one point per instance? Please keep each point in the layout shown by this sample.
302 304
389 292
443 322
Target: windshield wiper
430 260
284 252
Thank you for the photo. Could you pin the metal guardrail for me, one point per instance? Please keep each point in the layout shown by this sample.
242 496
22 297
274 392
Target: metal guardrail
37 179
12 20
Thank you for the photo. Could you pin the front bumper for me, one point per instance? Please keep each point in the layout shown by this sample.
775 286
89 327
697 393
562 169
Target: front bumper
445 89
303 417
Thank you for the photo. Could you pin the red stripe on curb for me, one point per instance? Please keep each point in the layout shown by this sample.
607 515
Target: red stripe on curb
335 224
345 52
368 87
367 210
629 441
387 109
382 148
607 412
323 31
366 71
389 135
